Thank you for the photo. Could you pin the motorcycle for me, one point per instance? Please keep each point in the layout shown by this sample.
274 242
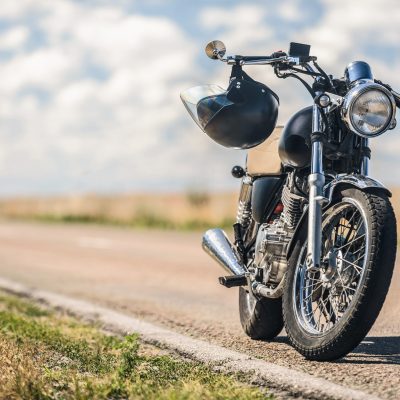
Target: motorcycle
315 237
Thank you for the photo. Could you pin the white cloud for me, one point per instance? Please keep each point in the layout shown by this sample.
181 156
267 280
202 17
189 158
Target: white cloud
244 25
80 121
346 30
11 9
13 38
43 68
95 104
290 11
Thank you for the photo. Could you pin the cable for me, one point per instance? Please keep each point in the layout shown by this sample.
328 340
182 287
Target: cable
291 75
305 72
325 75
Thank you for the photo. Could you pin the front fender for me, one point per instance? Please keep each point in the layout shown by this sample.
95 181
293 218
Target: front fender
363 183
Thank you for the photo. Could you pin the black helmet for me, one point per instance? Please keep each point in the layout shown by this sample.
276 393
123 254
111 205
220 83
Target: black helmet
241 117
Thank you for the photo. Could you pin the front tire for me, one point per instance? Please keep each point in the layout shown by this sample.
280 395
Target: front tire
329 312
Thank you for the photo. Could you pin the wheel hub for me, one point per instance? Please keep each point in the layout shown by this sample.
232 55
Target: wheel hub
331 265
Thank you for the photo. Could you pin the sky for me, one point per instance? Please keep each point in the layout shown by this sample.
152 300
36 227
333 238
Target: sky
89 90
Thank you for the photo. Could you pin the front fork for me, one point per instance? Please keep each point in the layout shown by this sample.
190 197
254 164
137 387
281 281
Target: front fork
365 162
316 182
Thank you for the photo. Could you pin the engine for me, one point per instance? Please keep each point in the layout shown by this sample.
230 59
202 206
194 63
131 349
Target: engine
271 244
294 199
273 237
292 207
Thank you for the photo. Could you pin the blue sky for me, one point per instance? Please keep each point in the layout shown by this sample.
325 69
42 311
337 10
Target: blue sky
89 90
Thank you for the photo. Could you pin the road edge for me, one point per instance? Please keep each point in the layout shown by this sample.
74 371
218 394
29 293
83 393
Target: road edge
275 377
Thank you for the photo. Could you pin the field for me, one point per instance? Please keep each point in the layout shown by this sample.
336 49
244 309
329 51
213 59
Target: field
189 211
45 355
171 211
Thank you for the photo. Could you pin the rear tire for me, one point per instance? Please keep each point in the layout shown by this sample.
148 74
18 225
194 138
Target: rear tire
261 319
350 328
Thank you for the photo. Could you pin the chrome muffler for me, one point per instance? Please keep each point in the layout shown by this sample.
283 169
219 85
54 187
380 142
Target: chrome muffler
219 247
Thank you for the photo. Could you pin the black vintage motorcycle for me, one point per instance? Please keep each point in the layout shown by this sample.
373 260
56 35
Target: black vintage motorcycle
315 238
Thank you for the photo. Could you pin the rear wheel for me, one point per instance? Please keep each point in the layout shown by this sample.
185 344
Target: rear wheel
327 313
261 319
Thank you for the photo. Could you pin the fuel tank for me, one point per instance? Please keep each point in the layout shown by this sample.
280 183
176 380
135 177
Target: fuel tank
295 142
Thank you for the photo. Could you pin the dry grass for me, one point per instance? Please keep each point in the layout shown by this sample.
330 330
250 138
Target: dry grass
172 211
46 356
191 210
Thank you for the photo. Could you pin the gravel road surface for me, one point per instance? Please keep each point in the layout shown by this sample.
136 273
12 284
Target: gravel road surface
165 278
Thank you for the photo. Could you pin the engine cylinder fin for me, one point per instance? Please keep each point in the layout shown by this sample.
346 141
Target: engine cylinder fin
292 207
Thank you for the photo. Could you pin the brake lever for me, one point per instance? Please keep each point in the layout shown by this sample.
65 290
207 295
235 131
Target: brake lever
396 97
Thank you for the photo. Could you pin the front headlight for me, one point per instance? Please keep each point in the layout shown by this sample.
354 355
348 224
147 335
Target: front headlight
369 109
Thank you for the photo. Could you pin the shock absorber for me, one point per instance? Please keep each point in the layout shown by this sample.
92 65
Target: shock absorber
243 216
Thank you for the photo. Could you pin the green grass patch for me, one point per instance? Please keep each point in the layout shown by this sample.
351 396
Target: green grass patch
45 355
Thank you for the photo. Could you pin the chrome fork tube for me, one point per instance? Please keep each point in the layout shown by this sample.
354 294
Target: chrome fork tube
365 161
316 182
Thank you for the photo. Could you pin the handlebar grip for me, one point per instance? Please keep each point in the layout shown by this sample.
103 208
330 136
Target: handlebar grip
255 58
277 54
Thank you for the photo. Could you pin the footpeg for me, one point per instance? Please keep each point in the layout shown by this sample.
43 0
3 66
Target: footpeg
233 280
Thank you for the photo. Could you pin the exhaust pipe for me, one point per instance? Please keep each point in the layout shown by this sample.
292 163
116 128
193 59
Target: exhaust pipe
219 247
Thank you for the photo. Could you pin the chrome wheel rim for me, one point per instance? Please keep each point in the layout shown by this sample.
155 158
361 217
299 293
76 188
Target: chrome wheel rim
324 297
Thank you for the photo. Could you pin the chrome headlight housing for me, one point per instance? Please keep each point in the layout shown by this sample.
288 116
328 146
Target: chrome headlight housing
369 109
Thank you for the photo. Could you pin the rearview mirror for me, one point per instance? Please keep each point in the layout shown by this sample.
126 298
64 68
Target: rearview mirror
215 49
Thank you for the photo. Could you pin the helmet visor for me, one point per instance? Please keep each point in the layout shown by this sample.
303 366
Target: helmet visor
203 102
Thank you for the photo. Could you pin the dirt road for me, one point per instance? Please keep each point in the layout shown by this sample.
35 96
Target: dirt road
165 277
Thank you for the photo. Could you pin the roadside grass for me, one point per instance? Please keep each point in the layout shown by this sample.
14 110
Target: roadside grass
141 221
45 355
190 211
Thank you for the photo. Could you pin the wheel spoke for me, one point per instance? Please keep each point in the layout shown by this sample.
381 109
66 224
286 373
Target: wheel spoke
327 294
313 291
354 240
357 267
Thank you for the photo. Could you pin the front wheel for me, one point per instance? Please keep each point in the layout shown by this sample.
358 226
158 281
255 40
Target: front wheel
328 313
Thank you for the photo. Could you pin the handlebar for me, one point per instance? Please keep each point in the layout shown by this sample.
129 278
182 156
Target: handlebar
285 65
281 62
267 60
254 60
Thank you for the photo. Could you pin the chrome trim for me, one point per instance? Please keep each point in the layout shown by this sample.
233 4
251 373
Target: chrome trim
359 88
215 50
218 246
263 290
365 166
